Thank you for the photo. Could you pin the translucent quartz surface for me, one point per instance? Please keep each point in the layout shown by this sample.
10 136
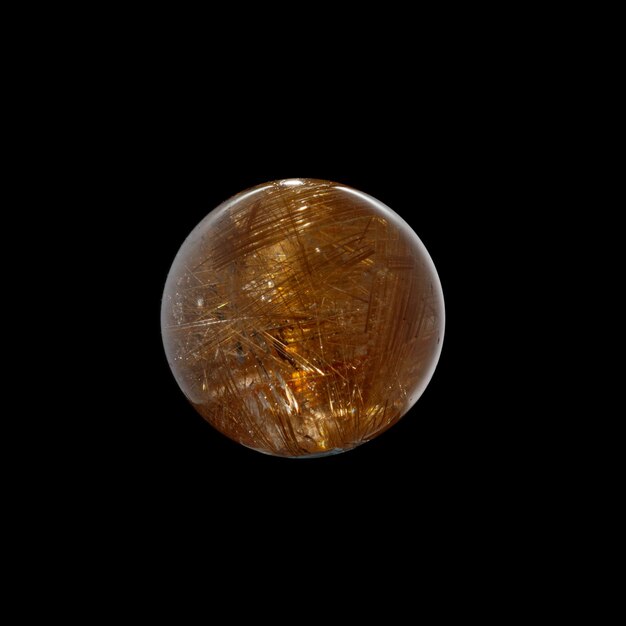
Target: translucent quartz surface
302 317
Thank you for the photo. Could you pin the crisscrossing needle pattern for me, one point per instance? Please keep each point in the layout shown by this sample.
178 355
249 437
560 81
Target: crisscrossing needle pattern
302 317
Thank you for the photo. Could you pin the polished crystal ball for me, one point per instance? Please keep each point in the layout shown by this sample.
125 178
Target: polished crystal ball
302 318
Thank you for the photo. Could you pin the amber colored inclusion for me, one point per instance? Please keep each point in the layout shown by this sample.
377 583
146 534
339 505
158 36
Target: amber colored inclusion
302 317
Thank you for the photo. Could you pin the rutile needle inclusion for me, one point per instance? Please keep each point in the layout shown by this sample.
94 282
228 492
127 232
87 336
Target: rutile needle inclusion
302 318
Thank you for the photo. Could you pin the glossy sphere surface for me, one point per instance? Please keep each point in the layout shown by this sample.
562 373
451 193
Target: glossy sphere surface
302 317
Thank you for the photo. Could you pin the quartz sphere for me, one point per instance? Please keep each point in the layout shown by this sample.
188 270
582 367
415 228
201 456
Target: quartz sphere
302 318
